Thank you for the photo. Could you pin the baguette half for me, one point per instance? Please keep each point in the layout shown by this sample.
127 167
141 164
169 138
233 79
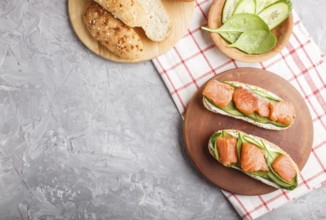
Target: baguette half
158 24
268 125
270 149
130 12
120 39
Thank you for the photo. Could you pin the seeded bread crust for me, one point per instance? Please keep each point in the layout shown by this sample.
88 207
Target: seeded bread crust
111 32
130 12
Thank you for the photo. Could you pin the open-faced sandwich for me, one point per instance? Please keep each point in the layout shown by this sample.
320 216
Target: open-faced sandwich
249 103
254 156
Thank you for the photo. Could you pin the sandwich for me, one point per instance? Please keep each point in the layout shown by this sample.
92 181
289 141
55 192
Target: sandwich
249 103
255 157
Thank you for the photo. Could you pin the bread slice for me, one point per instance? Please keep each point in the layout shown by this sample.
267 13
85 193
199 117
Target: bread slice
130 12
158 25
119 38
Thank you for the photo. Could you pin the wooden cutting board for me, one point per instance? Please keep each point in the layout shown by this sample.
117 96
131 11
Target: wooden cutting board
200 124
181 14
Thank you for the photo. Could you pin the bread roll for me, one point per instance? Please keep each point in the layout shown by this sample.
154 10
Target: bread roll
111 32
158 25
130 12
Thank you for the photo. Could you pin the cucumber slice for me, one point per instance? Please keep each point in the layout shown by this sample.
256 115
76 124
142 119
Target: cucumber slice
232 110
228 9
276 13
239 146
246 6
281 183
262 174
213 142
262 4
265 95
250 140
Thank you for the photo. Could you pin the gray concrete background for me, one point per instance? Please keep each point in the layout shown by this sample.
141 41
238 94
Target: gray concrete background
84 138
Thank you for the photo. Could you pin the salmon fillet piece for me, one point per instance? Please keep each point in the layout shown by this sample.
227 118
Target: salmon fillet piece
219 93
245 100
282 112
227 150
263 108
253 158
283 166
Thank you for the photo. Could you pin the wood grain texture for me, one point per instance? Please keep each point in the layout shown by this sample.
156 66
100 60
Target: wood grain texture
282 33
181 14
200 124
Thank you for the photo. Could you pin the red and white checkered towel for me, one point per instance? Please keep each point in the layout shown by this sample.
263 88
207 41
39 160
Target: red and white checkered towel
195 59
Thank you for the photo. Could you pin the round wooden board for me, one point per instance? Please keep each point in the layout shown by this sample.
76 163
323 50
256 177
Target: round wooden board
200 124
282 33
181 14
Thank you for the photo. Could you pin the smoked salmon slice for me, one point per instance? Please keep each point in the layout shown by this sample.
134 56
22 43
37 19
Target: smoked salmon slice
263 108
253 158
219 93
283 166
227 150
282 112
245 101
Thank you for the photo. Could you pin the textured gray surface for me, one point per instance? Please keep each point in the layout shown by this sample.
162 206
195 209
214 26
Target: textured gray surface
84 138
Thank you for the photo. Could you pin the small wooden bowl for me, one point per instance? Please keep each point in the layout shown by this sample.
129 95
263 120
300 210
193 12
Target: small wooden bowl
282 33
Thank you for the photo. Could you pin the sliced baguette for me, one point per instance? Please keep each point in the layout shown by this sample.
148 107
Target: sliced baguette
130 12
158 25
208 105
111 32
270 146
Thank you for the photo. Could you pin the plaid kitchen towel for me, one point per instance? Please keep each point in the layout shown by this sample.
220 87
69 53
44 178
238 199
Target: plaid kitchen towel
195 59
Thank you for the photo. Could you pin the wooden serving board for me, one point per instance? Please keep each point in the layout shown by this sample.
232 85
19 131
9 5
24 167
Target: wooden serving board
200 124
181 14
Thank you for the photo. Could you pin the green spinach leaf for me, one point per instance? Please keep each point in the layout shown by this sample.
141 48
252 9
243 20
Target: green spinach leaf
237 24
255 41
